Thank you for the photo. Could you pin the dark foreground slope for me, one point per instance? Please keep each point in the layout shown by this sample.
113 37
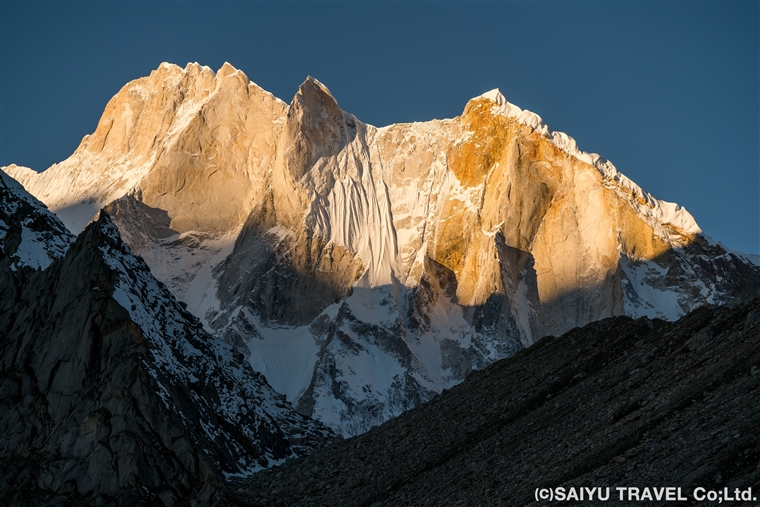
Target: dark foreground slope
619 402
111 393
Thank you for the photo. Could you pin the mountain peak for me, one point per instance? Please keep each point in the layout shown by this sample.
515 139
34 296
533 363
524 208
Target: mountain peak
196 68
315 104
421 250
312 87
168 66
494 95
316 126
227 69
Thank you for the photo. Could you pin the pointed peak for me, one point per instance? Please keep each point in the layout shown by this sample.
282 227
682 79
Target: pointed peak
102 217
102 221
498 103
197 68
314 96
168 67
501 105
228 69
101 231
314 83
494 95
164 71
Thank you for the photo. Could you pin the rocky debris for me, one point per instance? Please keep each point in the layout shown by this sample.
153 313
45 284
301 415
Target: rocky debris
619 402
112 393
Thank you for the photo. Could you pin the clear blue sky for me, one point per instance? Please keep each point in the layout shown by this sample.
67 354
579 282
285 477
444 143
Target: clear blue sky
668 91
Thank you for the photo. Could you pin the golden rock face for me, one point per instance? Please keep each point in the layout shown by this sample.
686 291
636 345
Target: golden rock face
486 136
366 268
191 142
212 169
491 201
556 216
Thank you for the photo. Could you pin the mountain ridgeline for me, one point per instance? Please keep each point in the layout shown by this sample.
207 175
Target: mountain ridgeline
363 270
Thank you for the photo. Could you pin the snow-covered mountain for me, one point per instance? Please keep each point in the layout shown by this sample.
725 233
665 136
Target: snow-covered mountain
112 392
365 269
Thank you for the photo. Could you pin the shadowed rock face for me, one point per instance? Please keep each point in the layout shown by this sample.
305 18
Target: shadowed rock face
290 276
112 393
30 239
406 255
619 402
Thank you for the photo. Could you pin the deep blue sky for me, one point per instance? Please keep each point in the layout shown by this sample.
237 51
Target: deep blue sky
668 91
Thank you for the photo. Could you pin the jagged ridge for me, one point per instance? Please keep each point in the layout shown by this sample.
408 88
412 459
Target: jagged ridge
366 268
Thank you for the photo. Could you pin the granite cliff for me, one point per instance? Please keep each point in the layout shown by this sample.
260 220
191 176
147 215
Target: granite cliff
360 269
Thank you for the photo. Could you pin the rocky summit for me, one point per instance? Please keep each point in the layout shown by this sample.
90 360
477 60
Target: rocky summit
363 270
619 403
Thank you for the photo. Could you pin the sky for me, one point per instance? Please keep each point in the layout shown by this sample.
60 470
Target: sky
668 91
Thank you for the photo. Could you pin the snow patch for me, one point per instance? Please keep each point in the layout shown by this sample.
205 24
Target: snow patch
285 356
642 297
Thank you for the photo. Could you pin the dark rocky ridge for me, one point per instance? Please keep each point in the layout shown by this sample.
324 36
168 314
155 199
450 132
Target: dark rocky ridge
97 408
23 217
619 402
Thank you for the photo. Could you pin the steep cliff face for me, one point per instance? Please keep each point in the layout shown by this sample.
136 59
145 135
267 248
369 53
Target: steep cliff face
191 147
367 269
111 392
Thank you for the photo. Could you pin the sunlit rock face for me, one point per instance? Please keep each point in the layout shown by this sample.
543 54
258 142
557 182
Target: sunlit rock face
365 269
